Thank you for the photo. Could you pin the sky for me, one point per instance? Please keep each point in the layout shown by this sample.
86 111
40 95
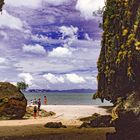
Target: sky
50 44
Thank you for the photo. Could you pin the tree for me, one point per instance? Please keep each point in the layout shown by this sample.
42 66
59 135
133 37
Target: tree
22 86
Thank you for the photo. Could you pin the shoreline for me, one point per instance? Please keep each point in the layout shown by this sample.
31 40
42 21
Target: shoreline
69 115
29 129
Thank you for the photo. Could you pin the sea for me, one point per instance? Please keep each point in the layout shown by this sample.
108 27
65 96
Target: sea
59 98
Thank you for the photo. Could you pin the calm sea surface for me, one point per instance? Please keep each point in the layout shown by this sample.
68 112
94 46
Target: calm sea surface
66 98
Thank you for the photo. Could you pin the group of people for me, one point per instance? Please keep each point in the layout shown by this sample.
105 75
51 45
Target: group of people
37 105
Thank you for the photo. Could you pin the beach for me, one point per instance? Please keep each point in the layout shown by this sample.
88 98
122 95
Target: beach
67 114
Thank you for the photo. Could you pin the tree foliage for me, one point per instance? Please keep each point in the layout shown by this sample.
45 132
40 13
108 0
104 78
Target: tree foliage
22 86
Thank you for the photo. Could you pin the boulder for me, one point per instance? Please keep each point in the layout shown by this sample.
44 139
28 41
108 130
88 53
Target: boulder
98 121
12 102
55 125
127 122
101 121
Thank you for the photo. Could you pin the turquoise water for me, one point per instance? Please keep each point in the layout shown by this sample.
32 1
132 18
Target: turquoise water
66 98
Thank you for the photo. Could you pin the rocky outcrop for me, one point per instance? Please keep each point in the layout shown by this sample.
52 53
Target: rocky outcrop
118 66
54 125
1 4
118 73
42 113
12 102
98 121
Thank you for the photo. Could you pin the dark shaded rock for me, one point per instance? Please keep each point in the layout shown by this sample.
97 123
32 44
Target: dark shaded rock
127 124
85 125
90 118
55 125
98 121
12 102
1 4
101 121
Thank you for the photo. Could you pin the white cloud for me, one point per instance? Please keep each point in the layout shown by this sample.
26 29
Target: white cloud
74 78
39 38
3 60
92 79
87 7
87 37
7 20
68 31
60 52
69 34
37 49
27 77
33 3
56 2
26 3
4 35
14 83
53 79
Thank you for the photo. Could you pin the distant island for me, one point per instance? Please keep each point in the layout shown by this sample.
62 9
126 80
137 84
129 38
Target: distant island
66 91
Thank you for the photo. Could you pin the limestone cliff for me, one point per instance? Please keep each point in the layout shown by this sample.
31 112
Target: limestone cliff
118 66
119 60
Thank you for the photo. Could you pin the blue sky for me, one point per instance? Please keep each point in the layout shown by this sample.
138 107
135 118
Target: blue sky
50 44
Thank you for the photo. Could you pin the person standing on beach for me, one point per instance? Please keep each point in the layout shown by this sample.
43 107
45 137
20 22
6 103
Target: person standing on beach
35 111
45 100
39 105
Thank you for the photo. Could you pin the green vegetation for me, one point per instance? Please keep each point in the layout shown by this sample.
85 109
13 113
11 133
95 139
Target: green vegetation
22 86
120 48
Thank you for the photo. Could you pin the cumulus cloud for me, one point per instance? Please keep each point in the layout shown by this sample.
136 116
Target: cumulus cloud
2 60
68 31
87 7
4 35
26 3
92 79
74 78
7 20
26 77
69 34
33 3
36 49
56 2
60 52
87 37
39 38
53 79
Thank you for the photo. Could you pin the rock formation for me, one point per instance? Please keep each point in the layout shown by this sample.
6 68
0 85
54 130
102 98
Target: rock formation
118 66
54 125
1 4
12 102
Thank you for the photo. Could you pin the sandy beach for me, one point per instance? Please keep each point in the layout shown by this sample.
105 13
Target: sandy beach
33 129
67 114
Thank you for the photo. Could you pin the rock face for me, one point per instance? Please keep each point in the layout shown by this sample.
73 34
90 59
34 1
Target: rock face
118 66
12 102
98 121
1 4
54 125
